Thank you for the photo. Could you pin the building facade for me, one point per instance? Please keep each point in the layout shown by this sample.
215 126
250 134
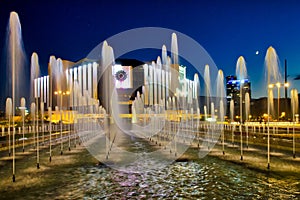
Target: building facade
233 92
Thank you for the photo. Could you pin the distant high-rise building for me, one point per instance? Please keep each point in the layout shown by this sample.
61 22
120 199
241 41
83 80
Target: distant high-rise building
233 90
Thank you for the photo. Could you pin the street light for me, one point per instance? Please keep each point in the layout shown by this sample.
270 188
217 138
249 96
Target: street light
270 87
278 84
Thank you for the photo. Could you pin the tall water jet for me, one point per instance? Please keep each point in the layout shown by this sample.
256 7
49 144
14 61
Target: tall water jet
221 99
34 73
8 113
174 64
222 125
232 119
32 113
174 49
247 105
220 89
158 84
164 55
22 108
16 58
247 111
294 104
36 95
50 133
107 56
196 90
241 72
272 70
205 113
212 112
207 85
42 116
271 101
52 68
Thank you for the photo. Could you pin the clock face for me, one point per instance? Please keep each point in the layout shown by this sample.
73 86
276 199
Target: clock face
121 75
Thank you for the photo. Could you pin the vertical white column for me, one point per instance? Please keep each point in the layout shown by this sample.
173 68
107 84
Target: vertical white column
195 89
158 74
75 86
48 90
145 74
95 81
146 95
146 84
67 79
84 77
155 84
151 85
35 87
158 83
80 80
75 74
42 89
190 93
39 87
71 87
167 83
163 84
45 89
90 80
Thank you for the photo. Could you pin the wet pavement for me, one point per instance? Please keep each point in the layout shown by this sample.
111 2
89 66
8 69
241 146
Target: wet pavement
77 175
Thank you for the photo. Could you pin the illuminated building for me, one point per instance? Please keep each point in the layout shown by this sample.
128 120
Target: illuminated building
233 91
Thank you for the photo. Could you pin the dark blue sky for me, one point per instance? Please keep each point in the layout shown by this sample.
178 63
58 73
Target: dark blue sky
226 29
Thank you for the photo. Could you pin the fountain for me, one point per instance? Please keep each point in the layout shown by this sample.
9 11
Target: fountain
133 111
42 116
8 113
205 112
107 56
32 112
36 95
196 91
34 74
174 64
241 72
107 61
232 120
16 56
271 65
221 99
222 125
247 111
22 108
295 104
271 100
207 86
52 68
212 127
50 132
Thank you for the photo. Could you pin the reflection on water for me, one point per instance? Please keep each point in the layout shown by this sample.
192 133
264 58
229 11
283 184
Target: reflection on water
207 178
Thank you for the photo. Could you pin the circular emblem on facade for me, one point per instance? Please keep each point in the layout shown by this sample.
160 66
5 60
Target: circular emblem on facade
121 75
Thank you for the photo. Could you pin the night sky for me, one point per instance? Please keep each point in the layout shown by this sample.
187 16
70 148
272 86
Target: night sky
226 29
